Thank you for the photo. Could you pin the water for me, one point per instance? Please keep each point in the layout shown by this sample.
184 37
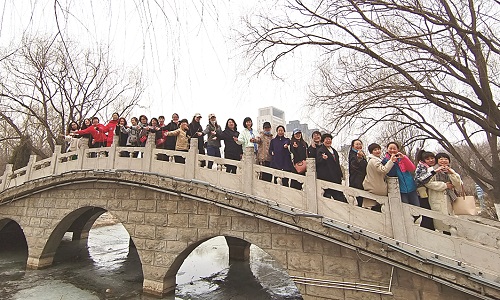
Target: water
108 269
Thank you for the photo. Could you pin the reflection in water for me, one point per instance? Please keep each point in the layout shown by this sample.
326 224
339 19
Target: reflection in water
108 269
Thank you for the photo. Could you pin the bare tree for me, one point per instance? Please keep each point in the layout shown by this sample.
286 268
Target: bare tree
45 84
430 65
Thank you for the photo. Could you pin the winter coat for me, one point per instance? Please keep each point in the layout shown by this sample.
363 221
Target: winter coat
110 130
74 143
313 151
212 140
280 156
264 142
357 169
299 153
133 133
438 197
170 141
122 136
182 141
231 149
406 182
244 139
98 132
374 181
194 128
328 169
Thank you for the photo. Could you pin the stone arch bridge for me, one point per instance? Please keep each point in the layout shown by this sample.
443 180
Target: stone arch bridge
331 250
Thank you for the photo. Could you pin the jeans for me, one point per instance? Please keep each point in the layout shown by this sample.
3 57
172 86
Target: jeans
410 198
212 151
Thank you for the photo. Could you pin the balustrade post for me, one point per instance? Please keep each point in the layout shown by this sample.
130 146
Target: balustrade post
54 160
191 159
29 167
396 210
148 152
5 177
112 153
247 172
311 187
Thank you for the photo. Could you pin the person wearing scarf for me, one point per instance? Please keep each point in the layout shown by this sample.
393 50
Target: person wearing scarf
263 156
441 189
402 170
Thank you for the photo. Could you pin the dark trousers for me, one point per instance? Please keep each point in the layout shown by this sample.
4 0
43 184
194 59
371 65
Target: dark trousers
96 145
180 159
212 151
426 221
336 195
265 176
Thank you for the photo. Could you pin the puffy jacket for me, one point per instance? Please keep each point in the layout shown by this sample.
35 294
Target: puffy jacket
406 181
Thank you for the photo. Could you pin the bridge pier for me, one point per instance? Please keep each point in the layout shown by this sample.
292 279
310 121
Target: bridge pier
42 262
155 284
238 249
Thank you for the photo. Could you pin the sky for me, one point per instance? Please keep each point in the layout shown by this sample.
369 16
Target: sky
188 52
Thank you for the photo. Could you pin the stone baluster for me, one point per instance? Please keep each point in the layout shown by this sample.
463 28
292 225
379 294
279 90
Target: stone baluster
54 160
148 152
247 174
113 152
396 210
29 167
311 186
5 177
191 159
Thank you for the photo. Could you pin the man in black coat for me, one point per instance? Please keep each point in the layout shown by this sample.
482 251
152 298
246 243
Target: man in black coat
328 167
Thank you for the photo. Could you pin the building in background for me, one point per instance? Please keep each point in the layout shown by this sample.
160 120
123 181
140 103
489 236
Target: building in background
270 114
306 132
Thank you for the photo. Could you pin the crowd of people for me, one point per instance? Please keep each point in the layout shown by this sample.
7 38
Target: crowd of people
430 183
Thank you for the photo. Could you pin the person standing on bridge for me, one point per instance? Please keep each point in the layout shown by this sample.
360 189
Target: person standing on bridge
72 138
182 139
196 132
280 153
374 181
213 142
423 174
247 137
122 136
402 170
441 189
357 167
86 138
98 132
170 141
298 149
328 167
110 128
315 144
231 149
263 156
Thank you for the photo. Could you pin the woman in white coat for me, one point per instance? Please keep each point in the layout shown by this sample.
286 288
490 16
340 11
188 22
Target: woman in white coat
441 189
374 181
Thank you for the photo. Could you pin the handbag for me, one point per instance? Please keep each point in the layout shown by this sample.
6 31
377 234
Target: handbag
464 205
300 167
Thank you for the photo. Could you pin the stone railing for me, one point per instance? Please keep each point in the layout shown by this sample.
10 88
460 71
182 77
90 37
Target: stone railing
472 242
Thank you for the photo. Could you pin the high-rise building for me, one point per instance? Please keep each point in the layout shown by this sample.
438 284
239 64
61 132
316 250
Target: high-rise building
306 132
272 115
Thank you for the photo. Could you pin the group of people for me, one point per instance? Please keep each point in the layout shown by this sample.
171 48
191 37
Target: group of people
431 183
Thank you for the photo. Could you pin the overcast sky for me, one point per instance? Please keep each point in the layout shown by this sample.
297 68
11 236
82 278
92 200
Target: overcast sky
187 51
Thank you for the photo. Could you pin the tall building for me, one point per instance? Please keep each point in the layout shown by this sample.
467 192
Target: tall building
306 132
272 115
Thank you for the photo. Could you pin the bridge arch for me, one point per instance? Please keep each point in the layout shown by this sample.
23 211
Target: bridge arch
238 250
12 235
